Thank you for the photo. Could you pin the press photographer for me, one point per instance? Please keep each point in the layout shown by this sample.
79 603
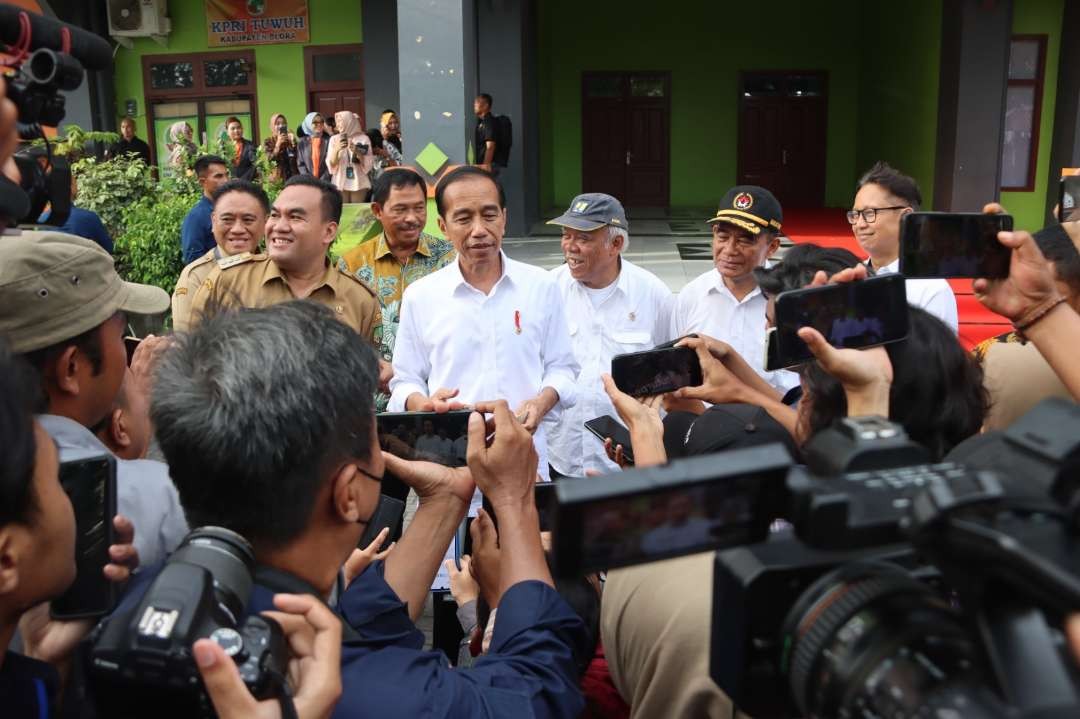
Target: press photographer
299 486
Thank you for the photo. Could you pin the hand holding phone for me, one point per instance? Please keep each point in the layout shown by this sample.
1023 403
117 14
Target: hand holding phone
607 427
656 371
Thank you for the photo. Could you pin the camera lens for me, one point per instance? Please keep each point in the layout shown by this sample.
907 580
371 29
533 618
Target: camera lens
870 640
228 558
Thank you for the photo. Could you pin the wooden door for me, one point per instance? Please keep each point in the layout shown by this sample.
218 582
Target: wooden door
782 135
626 137
335 79
327 103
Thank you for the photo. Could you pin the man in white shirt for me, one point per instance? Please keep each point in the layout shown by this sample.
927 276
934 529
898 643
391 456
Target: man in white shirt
484 327
612 307
726 302
883 197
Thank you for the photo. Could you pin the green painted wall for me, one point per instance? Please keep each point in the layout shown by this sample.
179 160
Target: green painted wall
1039 17
704 46
279 68
898 89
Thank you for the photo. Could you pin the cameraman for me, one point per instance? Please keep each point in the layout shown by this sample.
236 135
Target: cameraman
298 476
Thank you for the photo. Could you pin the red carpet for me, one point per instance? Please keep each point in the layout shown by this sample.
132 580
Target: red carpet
829 228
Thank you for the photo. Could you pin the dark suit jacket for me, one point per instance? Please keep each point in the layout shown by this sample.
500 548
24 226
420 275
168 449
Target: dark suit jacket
245 168
303 157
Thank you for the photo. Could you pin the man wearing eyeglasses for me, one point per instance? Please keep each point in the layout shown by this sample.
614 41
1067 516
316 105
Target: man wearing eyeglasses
884 195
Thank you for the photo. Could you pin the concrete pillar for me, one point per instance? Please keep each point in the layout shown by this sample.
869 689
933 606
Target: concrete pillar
380 58
975 40
507 71
1065 147
437 79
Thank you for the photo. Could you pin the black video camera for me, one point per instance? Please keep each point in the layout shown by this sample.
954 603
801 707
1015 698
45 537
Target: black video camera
905 588
142 658
45 59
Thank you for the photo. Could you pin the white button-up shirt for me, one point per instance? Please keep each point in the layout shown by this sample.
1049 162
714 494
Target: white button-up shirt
508 344
934 296
706 306
636 316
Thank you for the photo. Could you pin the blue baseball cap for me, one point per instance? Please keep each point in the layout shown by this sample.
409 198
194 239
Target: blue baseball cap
592 211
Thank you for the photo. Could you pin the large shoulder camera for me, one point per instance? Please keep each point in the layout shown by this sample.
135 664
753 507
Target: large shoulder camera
889 586
142 658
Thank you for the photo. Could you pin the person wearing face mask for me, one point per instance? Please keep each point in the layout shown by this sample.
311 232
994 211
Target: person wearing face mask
238 221
401 255
243 158
612 307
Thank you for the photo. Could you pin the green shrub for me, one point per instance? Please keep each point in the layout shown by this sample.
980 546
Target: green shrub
110 186
149 249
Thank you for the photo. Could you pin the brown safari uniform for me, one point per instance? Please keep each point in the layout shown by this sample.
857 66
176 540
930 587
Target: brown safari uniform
192 278
255 281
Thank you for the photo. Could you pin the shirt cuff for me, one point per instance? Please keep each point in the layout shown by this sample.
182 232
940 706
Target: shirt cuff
400 393
371 607
565 385
524 607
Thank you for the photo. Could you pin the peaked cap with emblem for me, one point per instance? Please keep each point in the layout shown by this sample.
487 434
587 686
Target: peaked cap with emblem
750 207
592 211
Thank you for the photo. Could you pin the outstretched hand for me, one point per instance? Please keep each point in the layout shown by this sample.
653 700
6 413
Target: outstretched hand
1029 286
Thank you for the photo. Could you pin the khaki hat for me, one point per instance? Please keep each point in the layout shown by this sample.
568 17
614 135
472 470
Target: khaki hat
55 286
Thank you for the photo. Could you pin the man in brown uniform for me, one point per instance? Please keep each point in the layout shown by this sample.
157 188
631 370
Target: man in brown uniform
239 223
302 225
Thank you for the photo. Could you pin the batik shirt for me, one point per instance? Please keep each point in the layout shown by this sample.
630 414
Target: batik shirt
374 263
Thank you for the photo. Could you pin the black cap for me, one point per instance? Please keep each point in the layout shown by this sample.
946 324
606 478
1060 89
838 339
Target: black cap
735 426
750 207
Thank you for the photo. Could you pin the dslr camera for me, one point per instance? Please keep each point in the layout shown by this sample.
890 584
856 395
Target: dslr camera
883 584
142 657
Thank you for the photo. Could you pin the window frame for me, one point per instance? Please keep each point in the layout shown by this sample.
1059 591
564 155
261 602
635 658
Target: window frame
1036 112
199 91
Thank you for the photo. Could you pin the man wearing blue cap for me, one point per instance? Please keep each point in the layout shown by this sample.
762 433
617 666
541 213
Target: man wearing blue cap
726 302
612 307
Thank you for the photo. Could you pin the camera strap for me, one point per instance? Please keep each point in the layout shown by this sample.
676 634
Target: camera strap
284 583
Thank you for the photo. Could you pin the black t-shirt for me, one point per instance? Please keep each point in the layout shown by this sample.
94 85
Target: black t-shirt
135 145
485 132
28 688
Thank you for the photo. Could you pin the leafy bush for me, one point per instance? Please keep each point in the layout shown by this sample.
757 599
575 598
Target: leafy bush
149 249
110 186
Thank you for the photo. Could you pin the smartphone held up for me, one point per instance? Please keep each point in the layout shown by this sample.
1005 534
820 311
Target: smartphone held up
954 245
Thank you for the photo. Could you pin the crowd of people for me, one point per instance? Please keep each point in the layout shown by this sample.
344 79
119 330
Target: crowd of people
258 415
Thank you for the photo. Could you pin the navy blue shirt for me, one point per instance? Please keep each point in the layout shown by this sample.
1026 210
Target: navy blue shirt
528 672
28 688
86 223
197 234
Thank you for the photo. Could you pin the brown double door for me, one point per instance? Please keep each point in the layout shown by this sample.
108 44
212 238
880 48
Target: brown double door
334 75
782 135
625 138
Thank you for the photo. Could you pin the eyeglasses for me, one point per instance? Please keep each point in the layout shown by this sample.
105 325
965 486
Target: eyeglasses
316 122
870 213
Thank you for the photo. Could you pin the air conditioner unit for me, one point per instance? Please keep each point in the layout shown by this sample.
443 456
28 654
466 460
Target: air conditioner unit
138 18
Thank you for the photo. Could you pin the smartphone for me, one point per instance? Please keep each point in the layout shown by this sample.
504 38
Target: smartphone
131 344
673 342
953 245
656 371
690 505
772 351
852 315
388 513
608 427
89 478
1069 197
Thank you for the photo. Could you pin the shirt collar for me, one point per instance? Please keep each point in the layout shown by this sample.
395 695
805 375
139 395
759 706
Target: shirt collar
382 249
890 269
67 432
622 282
273 272
458 279
722 288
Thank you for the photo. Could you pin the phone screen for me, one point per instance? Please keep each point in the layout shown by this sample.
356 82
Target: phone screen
686 506
953 245
1069 198
772 351
850 315
90 483
608 427
131 344
656 371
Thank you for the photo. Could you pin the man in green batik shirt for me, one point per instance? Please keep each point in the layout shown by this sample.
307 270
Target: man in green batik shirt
402 254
